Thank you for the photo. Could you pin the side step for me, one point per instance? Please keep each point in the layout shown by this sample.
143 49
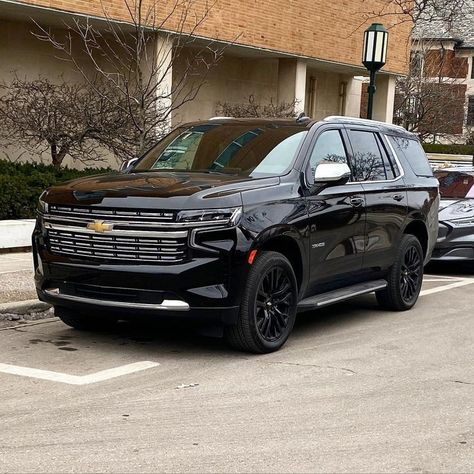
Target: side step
341 294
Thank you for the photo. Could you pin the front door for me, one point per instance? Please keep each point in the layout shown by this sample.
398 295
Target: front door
337 220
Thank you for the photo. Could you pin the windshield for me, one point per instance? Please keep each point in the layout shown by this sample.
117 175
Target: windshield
455 185
251 150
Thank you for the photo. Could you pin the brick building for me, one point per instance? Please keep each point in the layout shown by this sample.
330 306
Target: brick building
282 50
443 56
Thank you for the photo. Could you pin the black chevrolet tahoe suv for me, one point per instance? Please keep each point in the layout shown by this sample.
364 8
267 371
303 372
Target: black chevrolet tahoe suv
241 224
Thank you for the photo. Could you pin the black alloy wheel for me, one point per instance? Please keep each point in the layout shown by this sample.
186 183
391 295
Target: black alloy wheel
268 307
411 274
274 302
405 277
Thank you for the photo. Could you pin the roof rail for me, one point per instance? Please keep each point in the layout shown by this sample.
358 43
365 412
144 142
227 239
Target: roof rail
221 118
346 119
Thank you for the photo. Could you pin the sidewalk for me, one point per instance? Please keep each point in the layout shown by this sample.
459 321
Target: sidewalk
19 303
16 277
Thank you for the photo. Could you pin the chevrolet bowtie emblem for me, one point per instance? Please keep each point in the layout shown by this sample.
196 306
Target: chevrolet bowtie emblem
99 226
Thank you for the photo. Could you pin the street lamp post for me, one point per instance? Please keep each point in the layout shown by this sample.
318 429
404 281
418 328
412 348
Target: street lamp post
374 58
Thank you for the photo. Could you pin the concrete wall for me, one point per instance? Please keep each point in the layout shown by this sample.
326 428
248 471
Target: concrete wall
330 93
233 80
22 54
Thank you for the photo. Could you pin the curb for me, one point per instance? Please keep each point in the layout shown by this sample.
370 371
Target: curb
23 307
31 323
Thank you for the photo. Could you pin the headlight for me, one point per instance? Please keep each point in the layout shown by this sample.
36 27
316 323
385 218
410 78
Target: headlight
211 216
463 222
42 206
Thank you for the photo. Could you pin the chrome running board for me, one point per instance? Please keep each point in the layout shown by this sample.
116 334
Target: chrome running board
336 296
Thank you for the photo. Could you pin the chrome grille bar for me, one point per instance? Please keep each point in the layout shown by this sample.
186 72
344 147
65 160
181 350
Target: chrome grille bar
106 213
125 245
126 233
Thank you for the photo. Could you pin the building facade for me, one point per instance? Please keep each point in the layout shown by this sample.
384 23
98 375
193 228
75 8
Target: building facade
307 51
442 61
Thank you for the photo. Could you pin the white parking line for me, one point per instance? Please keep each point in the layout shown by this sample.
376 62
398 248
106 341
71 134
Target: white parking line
442 277
457 284
435 280
77 379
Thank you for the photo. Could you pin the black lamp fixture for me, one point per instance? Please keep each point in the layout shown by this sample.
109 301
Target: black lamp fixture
374 57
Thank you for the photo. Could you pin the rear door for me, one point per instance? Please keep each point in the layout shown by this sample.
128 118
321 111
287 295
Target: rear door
377 170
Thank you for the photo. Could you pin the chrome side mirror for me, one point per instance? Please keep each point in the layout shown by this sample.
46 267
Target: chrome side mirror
127 164
332 173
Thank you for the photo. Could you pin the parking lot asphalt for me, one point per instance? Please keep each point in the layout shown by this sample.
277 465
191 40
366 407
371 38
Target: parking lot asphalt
355 389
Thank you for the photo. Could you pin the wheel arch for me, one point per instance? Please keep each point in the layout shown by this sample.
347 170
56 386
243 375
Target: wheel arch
291 249
419 230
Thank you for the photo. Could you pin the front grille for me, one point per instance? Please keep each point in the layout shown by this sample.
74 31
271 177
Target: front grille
91 212
115 246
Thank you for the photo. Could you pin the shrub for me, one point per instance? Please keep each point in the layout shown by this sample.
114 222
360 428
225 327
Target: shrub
253 109
22 183
449 149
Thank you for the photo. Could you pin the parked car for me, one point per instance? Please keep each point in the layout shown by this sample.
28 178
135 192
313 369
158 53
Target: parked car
456 216
242 223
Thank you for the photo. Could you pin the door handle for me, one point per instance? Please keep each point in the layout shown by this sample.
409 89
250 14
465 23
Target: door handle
357 201
398 197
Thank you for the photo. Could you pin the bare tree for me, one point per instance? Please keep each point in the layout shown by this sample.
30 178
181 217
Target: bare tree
66 119
416 11
430 100
136 58
253 109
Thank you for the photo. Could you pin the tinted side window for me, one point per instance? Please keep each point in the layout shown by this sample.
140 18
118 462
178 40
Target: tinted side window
414 154
391 170
368 163
328 148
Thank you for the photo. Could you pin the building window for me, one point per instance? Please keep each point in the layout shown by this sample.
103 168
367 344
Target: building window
470 111
417 63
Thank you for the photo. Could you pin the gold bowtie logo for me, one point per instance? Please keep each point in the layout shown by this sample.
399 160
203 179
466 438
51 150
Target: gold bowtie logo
100 226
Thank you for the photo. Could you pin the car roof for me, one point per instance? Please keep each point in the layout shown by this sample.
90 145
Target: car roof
306 122
384 127
285 122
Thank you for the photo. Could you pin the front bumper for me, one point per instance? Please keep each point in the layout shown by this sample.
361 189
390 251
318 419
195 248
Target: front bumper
453 253
454 244
206 287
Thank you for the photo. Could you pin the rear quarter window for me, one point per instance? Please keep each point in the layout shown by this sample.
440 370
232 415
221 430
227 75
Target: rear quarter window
414 154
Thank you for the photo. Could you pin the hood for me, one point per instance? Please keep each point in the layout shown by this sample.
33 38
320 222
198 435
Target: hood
456 209
168 190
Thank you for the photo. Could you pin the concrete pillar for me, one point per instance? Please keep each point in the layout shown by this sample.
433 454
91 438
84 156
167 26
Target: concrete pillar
292 82
163 78
384 100
353 97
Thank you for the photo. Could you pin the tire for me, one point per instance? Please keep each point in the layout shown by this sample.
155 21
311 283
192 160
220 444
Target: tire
83 322
404 278
268 309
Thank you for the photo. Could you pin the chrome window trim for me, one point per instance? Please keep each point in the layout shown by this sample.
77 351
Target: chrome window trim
397 162
395 156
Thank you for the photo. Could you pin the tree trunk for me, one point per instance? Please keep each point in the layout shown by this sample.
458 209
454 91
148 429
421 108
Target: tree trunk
57 157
